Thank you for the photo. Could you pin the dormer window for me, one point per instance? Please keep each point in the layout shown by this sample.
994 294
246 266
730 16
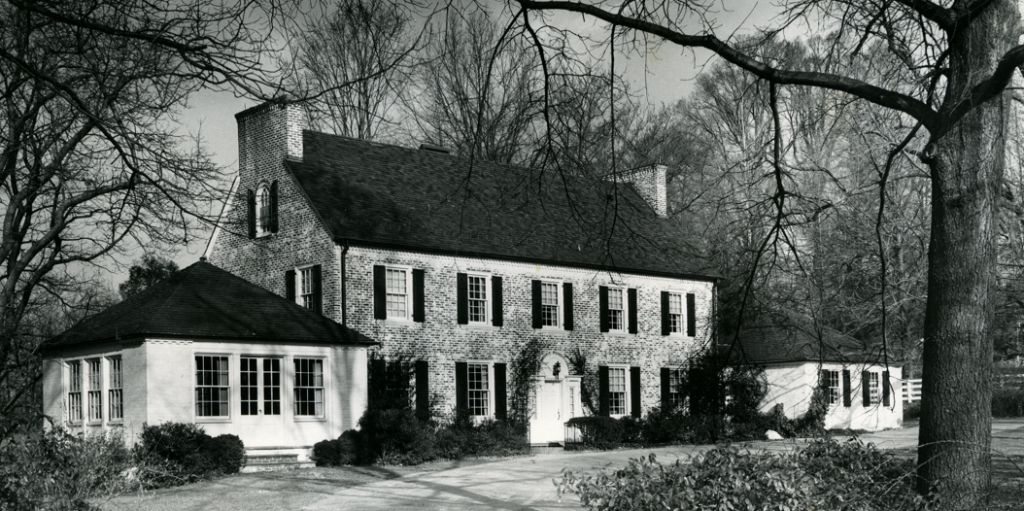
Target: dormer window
262 210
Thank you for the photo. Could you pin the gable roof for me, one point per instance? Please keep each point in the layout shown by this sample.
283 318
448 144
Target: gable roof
781 338
384 195
203 301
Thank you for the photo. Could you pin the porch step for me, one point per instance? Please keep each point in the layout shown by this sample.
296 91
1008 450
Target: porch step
274 462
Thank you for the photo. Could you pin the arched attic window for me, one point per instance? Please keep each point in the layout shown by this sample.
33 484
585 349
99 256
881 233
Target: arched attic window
263 210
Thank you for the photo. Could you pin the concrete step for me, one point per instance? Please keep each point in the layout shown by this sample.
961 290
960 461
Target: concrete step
274 462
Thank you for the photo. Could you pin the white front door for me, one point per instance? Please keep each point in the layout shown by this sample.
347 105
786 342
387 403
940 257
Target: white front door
260 411
557 402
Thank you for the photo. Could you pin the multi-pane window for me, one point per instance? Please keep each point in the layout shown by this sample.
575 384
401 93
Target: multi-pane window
75 391
549 303
249 386
95 390
677 398
616 318
477 299
272 386
212 386
263 208
309 387
115 387
873 389
617 391
831 379
479 389
307 290
675 313
398 293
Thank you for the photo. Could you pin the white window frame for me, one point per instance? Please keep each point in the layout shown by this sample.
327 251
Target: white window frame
408 293
675 393
560 296
681 331
489 364
94 390
231 384
75 401
300 289
488 304
625 392
115 389
874 390
320 414
835 393
625 310
263 205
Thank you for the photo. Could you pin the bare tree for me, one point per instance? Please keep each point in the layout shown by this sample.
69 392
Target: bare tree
961 56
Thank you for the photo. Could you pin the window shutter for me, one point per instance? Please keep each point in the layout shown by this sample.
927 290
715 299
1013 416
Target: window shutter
631 295
273 206
419 309
318 294
666 392
461 386
602 298
380 292
847 400
462 298
500 393
691 315
377 383
634 391
497 312
289 285
535 292
422 390
865 391
567 306
602 389
251 218
885 388
666 325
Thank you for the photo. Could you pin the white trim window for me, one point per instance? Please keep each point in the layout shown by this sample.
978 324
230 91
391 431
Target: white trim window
399 303
616 309
478 384
478 298
677 398
309 387
675 313
873 388
248 384
618 394
831 379
550 304
75 391
271 386
307 288
263 209
213 386
95 390
115 393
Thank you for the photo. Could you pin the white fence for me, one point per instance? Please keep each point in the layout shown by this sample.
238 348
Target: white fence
912 390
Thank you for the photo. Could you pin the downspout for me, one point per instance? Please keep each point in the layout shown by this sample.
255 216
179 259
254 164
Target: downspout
344 278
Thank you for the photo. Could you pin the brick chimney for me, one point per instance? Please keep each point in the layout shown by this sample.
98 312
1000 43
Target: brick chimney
268 134
650 182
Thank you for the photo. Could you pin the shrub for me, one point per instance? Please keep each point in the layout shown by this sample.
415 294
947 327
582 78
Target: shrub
325 453
395 437
179 453
349 448
226 453
1008 403
912 411
632 430
603 433
826 475
665 426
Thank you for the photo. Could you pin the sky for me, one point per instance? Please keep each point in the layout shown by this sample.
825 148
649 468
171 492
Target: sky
665 75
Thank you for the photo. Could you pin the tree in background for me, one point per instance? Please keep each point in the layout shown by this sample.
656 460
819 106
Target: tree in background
146 272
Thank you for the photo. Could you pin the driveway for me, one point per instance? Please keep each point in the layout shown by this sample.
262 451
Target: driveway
514 484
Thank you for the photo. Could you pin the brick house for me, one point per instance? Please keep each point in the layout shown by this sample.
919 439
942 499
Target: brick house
456 266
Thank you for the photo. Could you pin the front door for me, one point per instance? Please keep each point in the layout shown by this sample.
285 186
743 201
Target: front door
557 402
260 413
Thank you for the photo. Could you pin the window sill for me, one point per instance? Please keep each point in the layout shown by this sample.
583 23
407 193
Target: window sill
310 419
399 322
618 333
557 330
213 420
479 326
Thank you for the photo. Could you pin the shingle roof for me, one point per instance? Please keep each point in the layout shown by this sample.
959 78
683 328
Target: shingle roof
369 193
203 302
795 338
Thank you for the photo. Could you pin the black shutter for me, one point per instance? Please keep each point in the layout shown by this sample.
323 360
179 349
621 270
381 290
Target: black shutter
602 390
251 217
500 393
378 383
462 298
422 390
318 294
885 388
634 391
273 206
691 315
666 325
602 299
289 285
847 400
666 392
461 386
865 391
380 292
497 312
419 309
535 293
631 296
567 306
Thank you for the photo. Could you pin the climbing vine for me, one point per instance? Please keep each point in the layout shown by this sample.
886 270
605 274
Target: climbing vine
524 366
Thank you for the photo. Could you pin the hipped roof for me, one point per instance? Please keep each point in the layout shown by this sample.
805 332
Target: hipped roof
783 338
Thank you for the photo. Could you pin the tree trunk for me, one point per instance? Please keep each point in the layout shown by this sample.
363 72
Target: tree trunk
967 169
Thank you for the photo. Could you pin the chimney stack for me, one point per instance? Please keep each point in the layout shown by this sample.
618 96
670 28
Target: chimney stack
270 133
651 183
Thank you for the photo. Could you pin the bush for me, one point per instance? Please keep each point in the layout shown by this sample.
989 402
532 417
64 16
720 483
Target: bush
180 453
665 426
325 453
57 470
912 411
632 430
825 475
603 433
226 453
349 447
1008 403
395 437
